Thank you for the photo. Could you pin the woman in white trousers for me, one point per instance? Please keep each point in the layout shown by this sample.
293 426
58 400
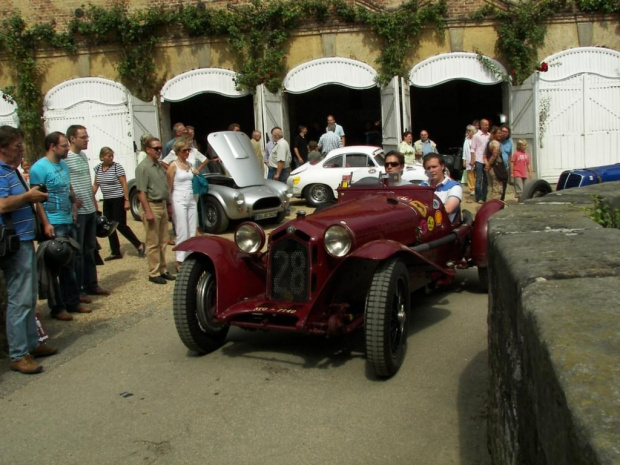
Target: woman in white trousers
180 175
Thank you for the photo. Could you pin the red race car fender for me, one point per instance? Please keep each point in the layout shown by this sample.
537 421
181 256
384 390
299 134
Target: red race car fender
239 275
480 232
382 250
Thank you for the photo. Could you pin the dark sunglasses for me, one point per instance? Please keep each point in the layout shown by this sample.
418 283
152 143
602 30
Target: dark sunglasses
392 163
156 148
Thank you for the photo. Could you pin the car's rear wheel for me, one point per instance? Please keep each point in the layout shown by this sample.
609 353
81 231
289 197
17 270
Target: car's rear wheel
194 306
318 194
483 278
134 204
214 219
533 189
385 318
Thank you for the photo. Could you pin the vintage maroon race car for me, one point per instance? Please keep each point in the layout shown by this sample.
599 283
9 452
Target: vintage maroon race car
352 265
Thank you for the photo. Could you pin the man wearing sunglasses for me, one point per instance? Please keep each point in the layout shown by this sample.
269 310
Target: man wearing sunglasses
153 195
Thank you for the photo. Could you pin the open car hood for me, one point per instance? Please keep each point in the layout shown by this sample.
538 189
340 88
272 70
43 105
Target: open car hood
235 151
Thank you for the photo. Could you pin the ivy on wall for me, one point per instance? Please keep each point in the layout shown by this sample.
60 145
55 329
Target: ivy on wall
258 34
522 26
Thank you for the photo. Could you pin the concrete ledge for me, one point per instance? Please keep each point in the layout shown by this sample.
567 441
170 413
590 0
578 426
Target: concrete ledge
554 332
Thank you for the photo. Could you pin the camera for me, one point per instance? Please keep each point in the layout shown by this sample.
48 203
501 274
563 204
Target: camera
42 187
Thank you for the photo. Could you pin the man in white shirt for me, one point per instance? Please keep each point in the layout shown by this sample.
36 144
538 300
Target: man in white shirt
279 158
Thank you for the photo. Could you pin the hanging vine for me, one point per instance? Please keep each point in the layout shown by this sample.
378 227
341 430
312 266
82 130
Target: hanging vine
258 33
521 30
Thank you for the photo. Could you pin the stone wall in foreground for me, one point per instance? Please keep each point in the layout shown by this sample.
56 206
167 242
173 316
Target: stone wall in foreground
554 332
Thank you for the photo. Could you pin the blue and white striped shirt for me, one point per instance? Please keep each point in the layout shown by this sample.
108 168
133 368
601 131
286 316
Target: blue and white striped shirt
23 217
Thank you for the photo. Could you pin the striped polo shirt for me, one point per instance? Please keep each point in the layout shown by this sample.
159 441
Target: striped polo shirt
108 180
80 181
23 217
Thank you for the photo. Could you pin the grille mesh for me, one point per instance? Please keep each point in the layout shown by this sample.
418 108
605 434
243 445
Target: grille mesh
289 271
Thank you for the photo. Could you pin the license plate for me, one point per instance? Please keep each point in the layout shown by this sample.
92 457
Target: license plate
262 216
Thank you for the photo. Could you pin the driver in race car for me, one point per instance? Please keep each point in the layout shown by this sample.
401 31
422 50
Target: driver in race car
394 166
447 189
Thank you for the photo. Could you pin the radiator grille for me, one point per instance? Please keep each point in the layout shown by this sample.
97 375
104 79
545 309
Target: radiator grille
289 271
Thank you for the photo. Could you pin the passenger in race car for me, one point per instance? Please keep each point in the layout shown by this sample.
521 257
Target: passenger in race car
394 166
447 189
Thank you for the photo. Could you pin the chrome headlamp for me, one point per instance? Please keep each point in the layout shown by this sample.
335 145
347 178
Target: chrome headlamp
337 241
239 199
250 237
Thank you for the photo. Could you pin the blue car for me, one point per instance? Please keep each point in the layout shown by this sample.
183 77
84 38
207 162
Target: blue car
573 178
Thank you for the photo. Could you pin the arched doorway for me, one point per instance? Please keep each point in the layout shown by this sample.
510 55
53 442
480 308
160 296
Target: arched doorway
208 100
448 92
342 87
8 112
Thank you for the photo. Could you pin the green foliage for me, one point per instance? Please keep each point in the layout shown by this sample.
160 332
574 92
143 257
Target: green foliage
20 43
599 6
521 31
604 214
400 32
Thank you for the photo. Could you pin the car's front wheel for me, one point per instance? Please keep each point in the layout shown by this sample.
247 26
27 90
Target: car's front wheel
214 219
318 194
533 189
134 204
194 306
385 318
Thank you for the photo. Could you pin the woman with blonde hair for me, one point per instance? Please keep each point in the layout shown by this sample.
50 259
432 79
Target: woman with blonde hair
180 175
110 176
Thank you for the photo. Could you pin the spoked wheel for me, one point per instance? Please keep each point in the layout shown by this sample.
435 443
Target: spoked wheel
385 318
318 194
214 217
134 204
194 305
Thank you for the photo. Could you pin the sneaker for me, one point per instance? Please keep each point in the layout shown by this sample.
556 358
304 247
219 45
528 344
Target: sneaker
26 365
43 351
62 316
157 280
481 202
167 276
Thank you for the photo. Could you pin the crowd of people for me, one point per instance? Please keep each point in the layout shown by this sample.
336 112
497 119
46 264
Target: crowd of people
491 162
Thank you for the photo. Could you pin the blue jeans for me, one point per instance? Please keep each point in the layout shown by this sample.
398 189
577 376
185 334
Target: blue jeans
20 272
284 174
482 183
66 285
85 266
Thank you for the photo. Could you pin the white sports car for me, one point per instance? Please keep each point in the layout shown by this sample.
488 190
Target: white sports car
318 183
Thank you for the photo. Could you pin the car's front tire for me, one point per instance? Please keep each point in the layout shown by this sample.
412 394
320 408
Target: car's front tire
134 204
214 218
318 194
385 318
194 305
533 189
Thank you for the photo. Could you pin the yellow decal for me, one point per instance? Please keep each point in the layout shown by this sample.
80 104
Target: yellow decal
438 217
419 206
430 221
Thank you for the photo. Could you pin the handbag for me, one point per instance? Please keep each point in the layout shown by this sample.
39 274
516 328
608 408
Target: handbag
9 241
200 185
501 173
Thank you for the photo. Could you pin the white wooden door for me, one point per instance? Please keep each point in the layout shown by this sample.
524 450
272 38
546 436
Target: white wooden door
272 111
145 119
390 115
523 119
601 120
405 100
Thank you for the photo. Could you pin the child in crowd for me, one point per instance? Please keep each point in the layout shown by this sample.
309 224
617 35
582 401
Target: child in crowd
314 156
520 168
